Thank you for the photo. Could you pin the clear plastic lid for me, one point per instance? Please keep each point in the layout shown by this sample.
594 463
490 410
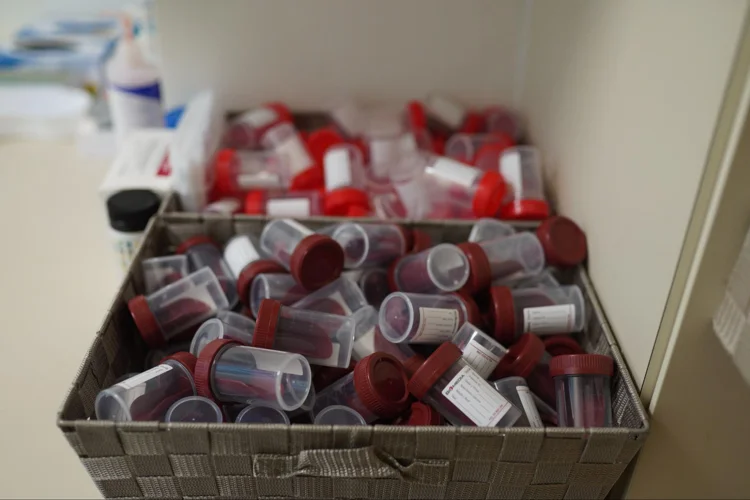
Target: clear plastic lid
338 415
159 272
419 318
260 412
281 287
442 268
370 245
486 229
213 329
478 349
194 409
342 297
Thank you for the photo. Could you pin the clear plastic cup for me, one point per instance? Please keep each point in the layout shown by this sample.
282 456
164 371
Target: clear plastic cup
480 150
286 141
148 395
373 282
512 257
177 308
342 297
478 349
375 389
232 373
486 229
202 252
417 318
194 409
237 172
338 415
313 259
449 116
365 324
521 167
502 120
546 278
527 358
564 243
245 259
345 180
515 390
371 245
542 311
236 320
582 385
261 412
284 203
281 287
324 339
213 329
246 130
440 269
159 272
447 383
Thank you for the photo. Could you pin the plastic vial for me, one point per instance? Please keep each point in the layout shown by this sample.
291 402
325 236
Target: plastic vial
236 320
375 389
148 395
372 281
542 311
564 243
229 372
447 383
480 150
281 287
176 308
313 259
319 141
502 120
159 272
514 256
561 345
129 212
545 279
342 297
521 167
421 414
286 141
440 269
582 388
244 258
237 172
486 229
283 203
371 245
345 181
527 358
478 349
417 318
247 129
261 412
324 339
339 415
202 252
449 116
194 409
515 390
365 326
213 329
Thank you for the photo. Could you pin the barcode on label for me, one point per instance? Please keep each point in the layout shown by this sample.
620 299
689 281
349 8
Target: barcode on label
435 325
471 394
549 319
480 358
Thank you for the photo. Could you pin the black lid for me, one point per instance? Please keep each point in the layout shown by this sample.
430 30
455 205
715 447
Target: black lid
130 210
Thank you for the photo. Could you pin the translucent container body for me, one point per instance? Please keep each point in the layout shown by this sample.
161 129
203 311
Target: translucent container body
527 358
370 245
260 412
417 318
582 385
324 339
480 150
478 349
448 115
236 320
375 389
486 229
241 251
284 203
515 390
521 167
175 309
307 406
365 326
247 129
504 121
286 141
545 279
281 287
339 415
148 395
349 117
342 297
313 259
237 172
373 282
159 272
387 148
202 252
442 268
447 383
229 372
194 409
345 180
213 329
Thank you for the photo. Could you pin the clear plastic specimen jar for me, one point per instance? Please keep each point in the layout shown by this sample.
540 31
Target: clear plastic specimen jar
284 203
345 181
442 268
342 297
194 409
339 415
286 141
521 168
489 229
159 272
373 282
277 286
202 252
582 386
371 245
515 390
246 130
478 349
261 412
527 358
480 150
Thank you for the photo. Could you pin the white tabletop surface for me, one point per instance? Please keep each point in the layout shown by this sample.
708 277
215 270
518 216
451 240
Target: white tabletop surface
58 277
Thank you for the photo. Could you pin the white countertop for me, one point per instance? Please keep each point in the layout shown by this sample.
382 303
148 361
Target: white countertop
58 277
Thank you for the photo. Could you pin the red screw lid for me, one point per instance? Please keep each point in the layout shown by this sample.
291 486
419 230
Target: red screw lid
339 201
185 359
146 322
249 273
194 241
473 315
281 110
423 414
416 116
433 368
473 123
581 364
316 261
480 272
503 314
320 140
412 364
408 236
561 345
357 211
380 382
563 241
525 210
223 171
204 364
309 179
265 324
490 194
255 203
521 358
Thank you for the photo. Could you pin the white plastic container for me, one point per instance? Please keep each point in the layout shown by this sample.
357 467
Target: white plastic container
371 245
246 261
159 272
231 373
515 390
238 172
440 269
478 349
480 150
486 229
202 251
521 167
277 286
194 409
345 180
173 310
284 203
286 141
261 412
342 297
213 329
339 415
324 339
247 129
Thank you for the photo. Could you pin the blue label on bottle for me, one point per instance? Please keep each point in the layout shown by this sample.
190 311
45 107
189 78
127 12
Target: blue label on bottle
148 91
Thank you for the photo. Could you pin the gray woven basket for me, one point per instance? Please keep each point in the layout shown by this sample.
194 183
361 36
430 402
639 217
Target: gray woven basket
158 460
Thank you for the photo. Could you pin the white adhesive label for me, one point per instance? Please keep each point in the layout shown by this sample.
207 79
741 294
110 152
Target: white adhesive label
238 253
529 407
338 168
480 358
258 118
332 360
455 171
364 345
296 153
449 112
476 398
259 180
226 206
292 207
549 319
510 168
435 325
144 377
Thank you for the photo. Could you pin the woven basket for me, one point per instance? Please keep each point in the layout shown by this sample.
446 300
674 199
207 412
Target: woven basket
158 460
